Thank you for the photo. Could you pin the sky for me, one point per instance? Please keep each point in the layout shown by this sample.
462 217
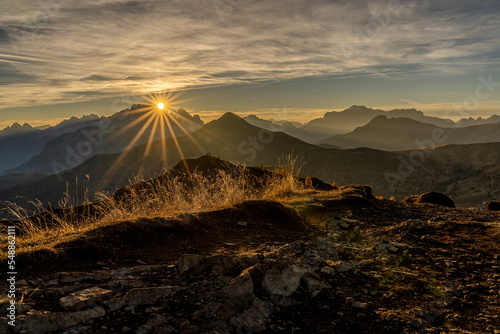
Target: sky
294 59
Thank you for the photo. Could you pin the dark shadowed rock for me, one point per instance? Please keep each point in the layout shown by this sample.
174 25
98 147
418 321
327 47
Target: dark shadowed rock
364 191
84 298
410 199
436 198
493 206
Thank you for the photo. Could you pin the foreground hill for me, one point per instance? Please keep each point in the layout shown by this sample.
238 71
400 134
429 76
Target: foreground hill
338 261
403 133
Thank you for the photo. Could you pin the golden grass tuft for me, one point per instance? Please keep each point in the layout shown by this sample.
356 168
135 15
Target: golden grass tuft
189 194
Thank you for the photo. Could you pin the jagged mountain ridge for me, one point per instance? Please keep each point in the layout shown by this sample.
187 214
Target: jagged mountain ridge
404 133
233 139
112 135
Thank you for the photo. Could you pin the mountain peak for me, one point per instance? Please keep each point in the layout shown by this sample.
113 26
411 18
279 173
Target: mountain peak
230 116
360 109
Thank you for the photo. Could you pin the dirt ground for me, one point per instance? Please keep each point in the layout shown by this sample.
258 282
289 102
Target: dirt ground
409 268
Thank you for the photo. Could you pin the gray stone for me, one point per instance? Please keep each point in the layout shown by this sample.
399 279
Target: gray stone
283 282
63 319
189 261
83 298
314 286
56 321
240 287
116 304
149 296
164 329
73 277
328 270
255 317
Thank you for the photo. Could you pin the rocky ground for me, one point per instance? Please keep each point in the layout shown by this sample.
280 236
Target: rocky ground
320 262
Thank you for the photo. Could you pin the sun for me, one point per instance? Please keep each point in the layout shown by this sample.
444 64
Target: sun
160 106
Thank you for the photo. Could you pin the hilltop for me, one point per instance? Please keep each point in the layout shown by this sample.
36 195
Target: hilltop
302 261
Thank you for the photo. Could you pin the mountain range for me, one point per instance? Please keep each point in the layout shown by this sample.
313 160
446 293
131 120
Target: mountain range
393 134
111 134
466 172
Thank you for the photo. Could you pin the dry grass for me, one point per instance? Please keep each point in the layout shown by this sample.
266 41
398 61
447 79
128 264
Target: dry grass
193 193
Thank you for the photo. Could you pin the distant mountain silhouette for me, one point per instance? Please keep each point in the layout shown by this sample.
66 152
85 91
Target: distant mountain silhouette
15 179
403 133
20 143
293 129
110 135
233 139
333 123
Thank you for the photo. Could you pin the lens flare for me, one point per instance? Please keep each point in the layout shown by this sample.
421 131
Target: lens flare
162 126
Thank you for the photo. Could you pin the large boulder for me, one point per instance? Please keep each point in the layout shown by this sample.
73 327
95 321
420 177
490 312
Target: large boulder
283 282
493 206
431 198
84 298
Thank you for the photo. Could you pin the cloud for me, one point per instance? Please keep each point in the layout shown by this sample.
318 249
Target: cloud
115 46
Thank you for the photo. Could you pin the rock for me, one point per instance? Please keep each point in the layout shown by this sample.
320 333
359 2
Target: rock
73 277
149 296
386 248
283 282
189 261
52 282
254 318
314 286
436 199
342 266
36 324
359 305
410 199
186 328
210 310
328 270
219 264
240 287
238 294
164 329
243 224
84 298
60 320
64 320
297 246
116 304
144 329
493 206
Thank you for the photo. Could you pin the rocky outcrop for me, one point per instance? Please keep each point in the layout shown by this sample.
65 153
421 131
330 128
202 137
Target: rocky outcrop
431 198
493 206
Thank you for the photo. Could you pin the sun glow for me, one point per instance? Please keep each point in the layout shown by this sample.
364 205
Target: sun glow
161 126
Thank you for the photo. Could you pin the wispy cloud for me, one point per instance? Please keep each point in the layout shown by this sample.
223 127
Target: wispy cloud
58 51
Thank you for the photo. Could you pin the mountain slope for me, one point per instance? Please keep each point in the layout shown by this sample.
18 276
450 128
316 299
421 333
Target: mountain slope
333 123
229 137
293 129
403 133
467 172
20 143
111 135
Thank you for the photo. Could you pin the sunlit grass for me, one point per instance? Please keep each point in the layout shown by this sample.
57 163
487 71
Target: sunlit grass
176 195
